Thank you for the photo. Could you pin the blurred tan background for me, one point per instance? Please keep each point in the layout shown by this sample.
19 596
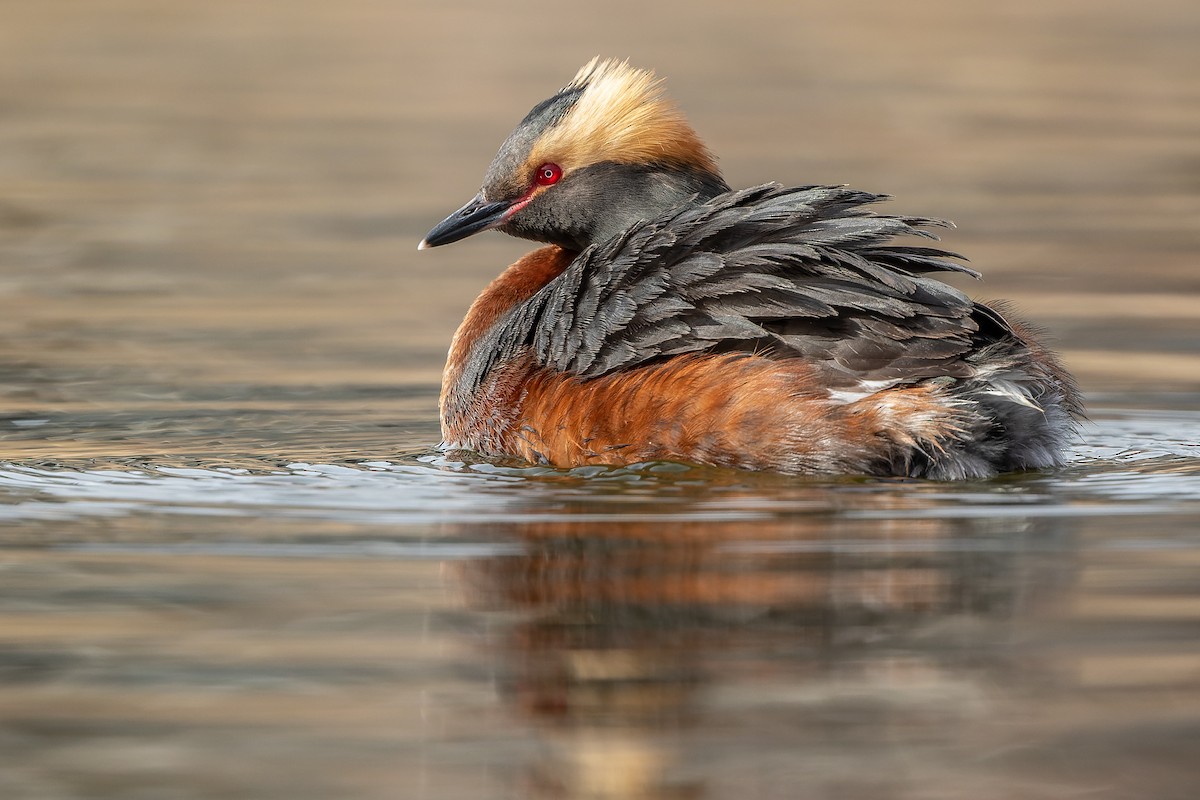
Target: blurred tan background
201 200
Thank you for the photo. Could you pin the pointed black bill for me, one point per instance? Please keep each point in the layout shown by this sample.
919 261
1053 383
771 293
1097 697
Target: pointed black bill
477 215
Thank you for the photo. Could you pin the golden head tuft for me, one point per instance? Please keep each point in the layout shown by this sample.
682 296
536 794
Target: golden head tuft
622 116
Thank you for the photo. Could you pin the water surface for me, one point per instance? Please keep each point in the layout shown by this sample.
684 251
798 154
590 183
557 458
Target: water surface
421 626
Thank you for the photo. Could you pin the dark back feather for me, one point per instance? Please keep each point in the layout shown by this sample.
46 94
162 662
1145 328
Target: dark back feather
807 272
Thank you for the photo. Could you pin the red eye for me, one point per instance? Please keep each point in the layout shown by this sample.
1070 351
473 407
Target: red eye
548 174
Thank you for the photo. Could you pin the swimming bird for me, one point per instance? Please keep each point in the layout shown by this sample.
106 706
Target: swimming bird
669 317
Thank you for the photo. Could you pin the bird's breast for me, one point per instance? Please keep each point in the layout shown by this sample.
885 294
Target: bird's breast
512 287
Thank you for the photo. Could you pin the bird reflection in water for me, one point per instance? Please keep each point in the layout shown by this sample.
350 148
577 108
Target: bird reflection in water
663 661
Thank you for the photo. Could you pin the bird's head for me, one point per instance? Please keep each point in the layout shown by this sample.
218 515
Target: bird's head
606 151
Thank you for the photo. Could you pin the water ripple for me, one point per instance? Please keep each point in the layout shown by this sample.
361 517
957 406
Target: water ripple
1129 463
